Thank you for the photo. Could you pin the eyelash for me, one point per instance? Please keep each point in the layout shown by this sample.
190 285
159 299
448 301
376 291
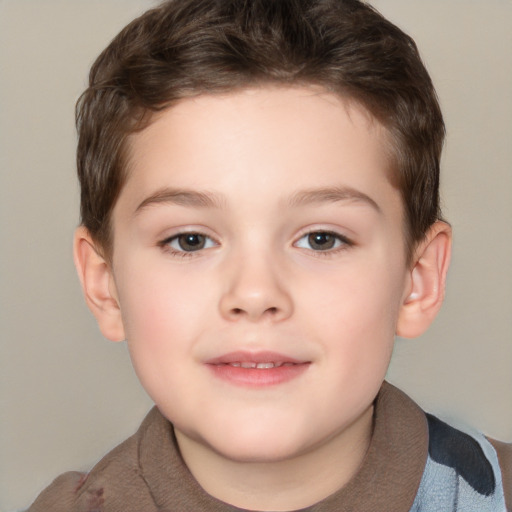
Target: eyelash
166 244
343 243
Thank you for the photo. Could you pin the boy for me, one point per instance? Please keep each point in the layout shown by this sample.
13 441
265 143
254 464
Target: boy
259 219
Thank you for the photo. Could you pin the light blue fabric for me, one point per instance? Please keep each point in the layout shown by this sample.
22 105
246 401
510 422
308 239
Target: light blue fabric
443 490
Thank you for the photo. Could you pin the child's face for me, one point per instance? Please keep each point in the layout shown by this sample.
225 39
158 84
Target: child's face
260 227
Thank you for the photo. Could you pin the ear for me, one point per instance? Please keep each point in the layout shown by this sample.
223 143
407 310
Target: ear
427 281
98 285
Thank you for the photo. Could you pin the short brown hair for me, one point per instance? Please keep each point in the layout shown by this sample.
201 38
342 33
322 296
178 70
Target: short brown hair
185 48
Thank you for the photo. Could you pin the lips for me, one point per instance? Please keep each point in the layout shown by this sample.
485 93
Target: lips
259 366
257 369
253 357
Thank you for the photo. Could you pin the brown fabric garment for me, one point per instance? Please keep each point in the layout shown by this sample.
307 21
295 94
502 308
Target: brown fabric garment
147 474
504 451
115 484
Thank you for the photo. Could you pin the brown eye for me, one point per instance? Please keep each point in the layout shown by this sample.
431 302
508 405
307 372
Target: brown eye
191 242
187 243
321 241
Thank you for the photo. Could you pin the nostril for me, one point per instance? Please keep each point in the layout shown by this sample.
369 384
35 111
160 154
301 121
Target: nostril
272 310
237 311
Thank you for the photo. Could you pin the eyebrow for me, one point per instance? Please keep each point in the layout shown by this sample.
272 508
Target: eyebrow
181 197
332 195
196 199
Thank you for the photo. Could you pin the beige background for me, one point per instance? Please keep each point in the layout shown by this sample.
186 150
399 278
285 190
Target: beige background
67 396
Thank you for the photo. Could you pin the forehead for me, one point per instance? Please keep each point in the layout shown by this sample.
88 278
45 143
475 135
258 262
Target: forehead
259 140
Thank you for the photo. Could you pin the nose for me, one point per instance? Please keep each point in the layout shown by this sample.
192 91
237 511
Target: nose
255 290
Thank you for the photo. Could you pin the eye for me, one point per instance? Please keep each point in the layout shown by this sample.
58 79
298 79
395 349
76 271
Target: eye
322 241
188 242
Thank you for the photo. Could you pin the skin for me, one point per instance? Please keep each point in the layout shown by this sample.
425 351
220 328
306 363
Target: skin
274 165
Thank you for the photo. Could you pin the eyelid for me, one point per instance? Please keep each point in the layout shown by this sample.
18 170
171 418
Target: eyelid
343 241
346 242
165 243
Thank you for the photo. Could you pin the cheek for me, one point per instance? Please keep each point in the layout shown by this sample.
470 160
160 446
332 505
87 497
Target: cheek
355 313
162 312
152 296
356 297
162 324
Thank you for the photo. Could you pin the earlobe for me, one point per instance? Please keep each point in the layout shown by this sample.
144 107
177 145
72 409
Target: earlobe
427 280
98 285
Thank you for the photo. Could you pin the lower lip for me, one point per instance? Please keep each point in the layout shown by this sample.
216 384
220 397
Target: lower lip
258 377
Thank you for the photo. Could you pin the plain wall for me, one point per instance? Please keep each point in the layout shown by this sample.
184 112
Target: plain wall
67 396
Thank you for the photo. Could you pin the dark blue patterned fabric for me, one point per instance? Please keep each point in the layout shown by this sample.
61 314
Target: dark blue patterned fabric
462 453
462 473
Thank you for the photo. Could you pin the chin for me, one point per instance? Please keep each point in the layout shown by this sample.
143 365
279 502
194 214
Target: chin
261 454
259 447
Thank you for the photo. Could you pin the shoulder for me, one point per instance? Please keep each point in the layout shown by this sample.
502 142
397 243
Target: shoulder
113 484
61 494
463 466
504 451
461 452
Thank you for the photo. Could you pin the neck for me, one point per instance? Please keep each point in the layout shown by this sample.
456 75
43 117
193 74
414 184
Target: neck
280 485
